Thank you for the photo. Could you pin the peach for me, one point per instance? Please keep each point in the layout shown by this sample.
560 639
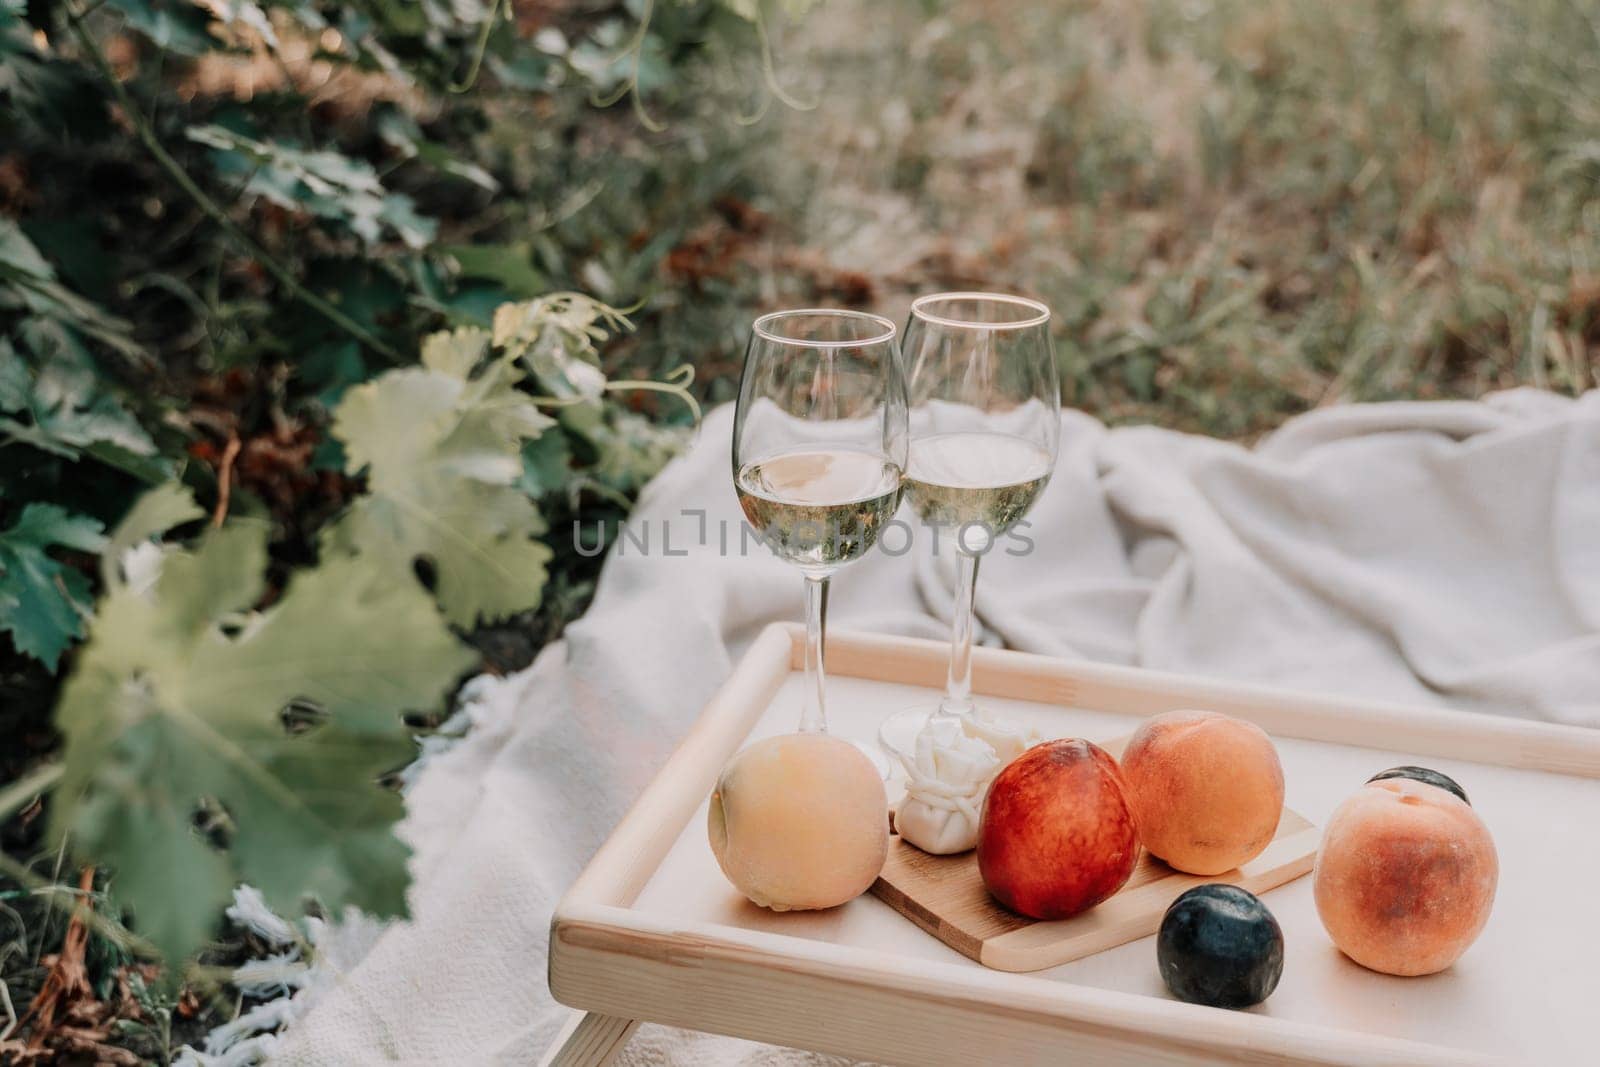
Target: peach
800 821
1405 878
1206 789
1056 836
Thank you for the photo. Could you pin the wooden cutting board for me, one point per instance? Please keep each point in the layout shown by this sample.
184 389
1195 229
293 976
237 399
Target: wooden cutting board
945 896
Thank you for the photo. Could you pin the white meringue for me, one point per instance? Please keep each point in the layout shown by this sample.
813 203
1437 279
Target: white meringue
948 776
1008 739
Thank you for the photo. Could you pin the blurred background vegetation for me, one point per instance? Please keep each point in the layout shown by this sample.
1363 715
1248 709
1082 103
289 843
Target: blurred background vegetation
1238 210
217 218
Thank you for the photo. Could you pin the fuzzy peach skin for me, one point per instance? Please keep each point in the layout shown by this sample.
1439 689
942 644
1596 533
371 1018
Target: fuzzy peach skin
1405 877
1206 789
1056 837
800 821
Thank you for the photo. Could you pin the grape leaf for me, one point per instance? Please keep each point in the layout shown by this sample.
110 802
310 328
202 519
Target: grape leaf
28 284
177 25
401 132
556 338
442 450
60 408
44 602
546 464
38 88
154 513
179 697
19 259
16 381
511 265
325 183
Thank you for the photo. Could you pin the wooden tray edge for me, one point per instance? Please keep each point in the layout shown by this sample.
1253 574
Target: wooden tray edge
1477 737
863 1004
624 863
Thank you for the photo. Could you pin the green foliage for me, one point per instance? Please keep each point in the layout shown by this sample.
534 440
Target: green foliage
546 464
628 448
442 452
270 727
51 314
60 408
42 603
174 25
456 453
39 90
328 185
300 266
181 698
555 337
155 512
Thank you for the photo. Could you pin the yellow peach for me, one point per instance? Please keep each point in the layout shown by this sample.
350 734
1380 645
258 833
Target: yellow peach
800 821
1405 877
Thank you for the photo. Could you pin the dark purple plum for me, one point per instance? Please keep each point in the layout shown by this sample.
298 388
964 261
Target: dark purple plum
1425 775
1220 946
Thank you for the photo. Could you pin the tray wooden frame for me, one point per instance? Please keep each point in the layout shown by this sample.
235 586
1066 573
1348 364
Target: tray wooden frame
620 965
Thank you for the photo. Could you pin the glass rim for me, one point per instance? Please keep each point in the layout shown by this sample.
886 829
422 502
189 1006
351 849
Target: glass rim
763 328
919 309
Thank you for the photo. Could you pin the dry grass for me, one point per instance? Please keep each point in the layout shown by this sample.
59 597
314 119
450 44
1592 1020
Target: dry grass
1239 209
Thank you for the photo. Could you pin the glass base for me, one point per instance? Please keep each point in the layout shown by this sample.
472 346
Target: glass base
897 737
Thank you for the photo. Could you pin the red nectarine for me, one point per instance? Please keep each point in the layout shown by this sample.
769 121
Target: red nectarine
1056 836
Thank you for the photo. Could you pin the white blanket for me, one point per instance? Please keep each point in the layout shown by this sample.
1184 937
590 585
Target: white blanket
1442 553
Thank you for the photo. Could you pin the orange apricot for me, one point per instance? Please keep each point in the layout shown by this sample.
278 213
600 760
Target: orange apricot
1206 789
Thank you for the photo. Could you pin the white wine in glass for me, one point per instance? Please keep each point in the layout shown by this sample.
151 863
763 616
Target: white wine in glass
819 450
985 419
819 508
985 481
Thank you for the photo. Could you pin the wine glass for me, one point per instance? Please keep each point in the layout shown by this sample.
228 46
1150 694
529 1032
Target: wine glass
819 450
985 404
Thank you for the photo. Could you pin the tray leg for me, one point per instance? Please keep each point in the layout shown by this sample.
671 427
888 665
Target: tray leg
589 1040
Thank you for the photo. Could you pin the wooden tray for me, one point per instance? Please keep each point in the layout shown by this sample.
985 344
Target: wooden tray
945 896
651 930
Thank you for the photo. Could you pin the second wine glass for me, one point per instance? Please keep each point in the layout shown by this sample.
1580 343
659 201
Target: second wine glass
985 403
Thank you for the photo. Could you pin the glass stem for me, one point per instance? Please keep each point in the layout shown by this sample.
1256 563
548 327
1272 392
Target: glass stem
958 687
814 716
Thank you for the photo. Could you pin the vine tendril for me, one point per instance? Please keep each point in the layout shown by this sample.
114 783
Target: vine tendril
479 50
630 86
